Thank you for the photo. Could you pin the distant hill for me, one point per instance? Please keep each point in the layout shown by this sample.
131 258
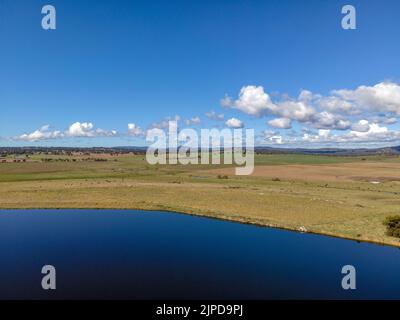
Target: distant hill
264 150
333 151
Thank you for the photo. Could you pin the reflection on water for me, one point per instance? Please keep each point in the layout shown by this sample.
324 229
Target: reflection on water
110 254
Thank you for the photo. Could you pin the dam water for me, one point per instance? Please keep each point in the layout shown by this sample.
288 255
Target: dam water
127 254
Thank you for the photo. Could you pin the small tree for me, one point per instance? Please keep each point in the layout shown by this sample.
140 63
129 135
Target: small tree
392 224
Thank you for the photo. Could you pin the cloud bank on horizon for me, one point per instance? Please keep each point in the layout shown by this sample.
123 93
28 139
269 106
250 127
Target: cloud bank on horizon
362 116
344 116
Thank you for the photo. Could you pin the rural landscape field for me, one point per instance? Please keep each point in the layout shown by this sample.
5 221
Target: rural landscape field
214 152
343 196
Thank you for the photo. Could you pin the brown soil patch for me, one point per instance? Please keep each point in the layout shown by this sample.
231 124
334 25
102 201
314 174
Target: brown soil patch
355 171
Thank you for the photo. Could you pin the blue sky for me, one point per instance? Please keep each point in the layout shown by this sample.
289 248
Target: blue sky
113 63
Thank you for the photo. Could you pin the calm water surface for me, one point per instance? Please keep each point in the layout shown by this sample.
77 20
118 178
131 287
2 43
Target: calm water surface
110 254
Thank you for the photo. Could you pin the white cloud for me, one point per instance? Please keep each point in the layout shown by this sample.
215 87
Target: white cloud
269 133
390 120
41 134
164 123
361 126
382 97
295 110
386 119
226 102
214 116
276 139
252 100
335 111
104 133
282 123
374 131
193 121
324 133
234 123
255 101
271 137
134 130
337 105
77 129
375 134
86 129
327 120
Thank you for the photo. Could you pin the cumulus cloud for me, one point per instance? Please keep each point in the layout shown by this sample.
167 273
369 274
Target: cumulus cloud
390 121
256 102
155 132
361 126
375 134
336 105
41 134
252 100
276 139
77 129
234 123
282 123
382 97
335 111
104 133
327 120
383 119
164 123
272 137
193 121
214 116
300 111
134 130
226 101
86 129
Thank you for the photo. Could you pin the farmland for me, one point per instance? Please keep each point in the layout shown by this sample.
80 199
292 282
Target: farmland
345 196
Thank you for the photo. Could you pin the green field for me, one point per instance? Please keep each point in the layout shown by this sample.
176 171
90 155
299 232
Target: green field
344 204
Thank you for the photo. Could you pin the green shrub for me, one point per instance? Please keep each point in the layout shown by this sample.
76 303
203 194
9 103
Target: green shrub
392 226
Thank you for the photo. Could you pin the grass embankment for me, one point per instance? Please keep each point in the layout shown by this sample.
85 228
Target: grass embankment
344 204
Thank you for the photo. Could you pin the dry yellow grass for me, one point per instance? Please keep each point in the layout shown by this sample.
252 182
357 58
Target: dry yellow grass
345 207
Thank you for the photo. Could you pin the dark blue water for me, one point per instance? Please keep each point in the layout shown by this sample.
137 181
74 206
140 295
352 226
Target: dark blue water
111 254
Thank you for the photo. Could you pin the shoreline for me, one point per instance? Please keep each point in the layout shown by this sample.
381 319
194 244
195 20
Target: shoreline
216 217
